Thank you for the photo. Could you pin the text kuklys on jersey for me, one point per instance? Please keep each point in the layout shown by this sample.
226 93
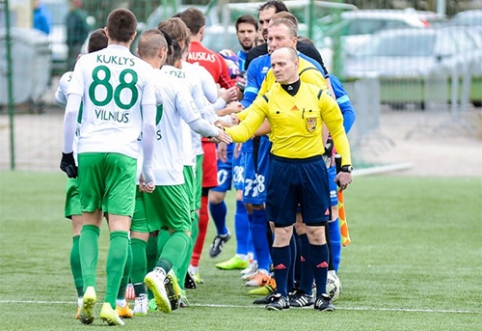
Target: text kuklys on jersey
114 59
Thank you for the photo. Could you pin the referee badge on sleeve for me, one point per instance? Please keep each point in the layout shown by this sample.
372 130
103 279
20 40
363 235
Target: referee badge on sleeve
311 124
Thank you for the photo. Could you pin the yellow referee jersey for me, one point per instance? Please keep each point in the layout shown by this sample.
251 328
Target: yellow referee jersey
308 74
296 122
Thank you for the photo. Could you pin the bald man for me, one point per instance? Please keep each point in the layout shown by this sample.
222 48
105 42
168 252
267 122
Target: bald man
296 112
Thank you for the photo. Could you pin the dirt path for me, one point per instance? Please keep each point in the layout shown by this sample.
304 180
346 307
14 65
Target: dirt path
436 144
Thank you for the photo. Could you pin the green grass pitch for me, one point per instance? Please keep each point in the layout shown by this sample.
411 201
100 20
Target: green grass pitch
415 263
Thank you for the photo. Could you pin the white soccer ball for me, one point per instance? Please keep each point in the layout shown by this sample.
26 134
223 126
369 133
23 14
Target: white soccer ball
333 286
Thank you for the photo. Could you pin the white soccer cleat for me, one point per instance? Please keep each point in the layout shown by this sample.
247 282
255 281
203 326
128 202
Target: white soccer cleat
141 305
251 270
155 281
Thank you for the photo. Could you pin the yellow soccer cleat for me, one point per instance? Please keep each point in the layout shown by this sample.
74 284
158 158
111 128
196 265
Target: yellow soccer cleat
125 312
110 315
269 288
155 281
233 263
86 314
173 290
197 278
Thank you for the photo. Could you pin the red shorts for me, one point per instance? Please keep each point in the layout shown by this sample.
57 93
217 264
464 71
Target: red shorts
210 165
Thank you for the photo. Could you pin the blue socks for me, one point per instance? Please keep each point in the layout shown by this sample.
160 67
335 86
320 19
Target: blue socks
335 243
218 213
260 242
241 228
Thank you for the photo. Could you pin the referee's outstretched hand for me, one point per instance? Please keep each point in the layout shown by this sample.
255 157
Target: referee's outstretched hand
224 137
67 165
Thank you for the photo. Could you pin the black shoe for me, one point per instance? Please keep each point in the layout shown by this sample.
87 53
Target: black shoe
218 243
323 303
264 300
189 282
278 302
300 299
173 291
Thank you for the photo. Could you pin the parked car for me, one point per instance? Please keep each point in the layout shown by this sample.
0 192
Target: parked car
164 12
356 27
468 17
403 58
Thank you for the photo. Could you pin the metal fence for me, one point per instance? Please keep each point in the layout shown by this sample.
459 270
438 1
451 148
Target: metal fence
30 141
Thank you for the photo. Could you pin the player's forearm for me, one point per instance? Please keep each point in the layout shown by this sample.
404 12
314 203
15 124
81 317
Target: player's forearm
70 121
219 104
204 128
250 95
207 113
148 133
348 112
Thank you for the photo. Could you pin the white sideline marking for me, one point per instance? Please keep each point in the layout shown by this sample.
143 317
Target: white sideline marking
408 310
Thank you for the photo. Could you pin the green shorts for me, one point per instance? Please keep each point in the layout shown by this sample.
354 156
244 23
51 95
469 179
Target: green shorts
139 220
107 181
189 181
72 198
198 184
168 208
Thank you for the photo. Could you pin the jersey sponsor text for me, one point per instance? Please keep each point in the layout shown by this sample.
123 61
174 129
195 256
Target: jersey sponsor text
116 116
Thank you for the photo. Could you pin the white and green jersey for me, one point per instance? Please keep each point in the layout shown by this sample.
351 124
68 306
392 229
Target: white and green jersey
205 86
177 109
114 84
189 148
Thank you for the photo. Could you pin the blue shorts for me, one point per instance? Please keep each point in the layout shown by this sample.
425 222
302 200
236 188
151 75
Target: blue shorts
333 186
225 171
238 171
247 146
297 181
254 190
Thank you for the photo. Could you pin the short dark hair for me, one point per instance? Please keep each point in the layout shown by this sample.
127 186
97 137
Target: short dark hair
306 40
121 24
279 6
97 41
194 19
250 19
175 55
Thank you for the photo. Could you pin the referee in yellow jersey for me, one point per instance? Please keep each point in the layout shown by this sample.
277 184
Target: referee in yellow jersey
298 175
